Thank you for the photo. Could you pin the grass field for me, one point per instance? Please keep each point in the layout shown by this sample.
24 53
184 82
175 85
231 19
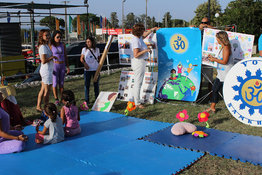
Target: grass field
221 120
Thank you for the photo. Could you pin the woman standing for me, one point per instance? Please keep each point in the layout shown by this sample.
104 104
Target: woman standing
225 63
138 63
90 56
59 50
46 69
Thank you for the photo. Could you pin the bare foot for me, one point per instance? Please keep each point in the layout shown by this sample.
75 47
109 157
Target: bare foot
211 110
141 106
39 109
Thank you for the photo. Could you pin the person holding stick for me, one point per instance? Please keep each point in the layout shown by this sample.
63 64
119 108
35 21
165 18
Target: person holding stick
90 56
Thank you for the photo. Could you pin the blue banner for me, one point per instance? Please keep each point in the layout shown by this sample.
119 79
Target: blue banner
179 66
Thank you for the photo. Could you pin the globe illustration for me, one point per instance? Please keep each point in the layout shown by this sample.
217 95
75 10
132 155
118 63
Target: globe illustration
177 88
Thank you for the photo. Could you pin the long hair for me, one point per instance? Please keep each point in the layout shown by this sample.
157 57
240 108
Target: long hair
51 111
138 30
92 39
41 41
223 37
69 97
53 37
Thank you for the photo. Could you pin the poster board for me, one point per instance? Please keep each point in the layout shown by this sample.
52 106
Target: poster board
179 49
243 91
126 53
241 46
104 101
126 86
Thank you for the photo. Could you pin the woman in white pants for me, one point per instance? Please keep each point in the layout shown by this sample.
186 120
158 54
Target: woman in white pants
138 63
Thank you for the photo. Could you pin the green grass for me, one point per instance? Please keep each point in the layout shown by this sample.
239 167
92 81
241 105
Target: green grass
222 120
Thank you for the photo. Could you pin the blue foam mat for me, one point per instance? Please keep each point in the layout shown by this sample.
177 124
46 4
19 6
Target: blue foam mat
96 116
245 148
235 146
140 157
45 162
207 144
105 136
121 125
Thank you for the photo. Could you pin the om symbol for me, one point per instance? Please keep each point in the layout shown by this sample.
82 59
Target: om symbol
179 43
252 92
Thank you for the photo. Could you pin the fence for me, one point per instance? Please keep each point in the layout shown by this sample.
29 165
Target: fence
108 65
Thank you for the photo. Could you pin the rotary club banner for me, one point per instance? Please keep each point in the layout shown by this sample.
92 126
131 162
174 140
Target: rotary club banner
243 91
241 46
179 63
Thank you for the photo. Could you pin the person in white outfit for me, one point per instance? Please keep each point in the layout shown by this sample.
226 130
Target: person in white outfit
138 63
46 69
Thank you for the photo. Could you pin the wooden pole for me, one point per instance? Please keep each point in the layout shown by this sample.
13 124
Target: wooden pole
101 62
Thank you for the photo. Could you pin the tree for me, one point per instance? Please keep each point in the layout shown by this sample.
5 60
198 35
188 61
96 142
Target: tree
49 21
141 19
167 20
154 23
179 23
202 11
130 20
83 18
149 22
245 14
114 20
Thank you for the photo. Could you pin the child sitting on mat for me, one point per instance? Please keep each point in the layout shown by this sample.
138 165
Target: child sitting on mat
54 125
10 140
70 114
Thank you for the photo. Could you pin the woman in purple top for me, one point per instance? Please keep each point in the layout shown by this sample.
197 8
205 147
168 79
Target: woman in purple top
10 140
70 114
59 50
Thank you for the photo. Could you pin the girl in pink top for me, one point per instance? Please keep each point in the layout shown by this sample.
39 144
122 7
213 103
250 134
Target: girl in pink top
70 114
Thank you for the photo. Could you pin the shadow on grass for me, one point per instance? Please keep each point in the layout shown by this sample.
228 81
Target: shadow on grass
220 120
33 117
150 114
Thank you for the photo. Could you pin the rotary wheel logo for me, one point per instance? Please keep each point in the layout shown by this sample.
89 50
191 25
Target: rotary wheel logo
249 92
179 43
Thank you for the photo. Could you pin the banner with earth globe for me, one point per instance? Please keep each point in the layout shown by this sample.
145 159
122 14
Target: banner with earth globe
179 63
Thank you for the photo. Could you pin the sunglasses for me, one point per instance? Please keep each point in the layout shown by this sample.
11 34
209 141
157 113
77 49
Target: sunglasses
204 22
58 37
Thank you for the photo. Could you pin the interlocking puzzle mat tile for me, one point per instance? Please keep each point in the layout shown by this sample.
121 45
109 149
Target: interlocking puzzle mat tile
140 157
235 146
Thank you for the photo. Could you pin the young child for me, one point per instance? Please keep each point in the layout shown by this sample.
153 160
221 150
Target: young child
54 125
70 114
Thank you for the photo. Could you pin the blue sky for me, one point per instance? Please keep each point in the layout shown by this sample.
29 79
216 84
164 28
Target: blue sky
179 9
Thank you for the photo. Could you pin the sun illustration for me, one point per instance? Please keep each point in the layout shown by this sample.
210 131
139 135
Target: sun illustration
249 92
